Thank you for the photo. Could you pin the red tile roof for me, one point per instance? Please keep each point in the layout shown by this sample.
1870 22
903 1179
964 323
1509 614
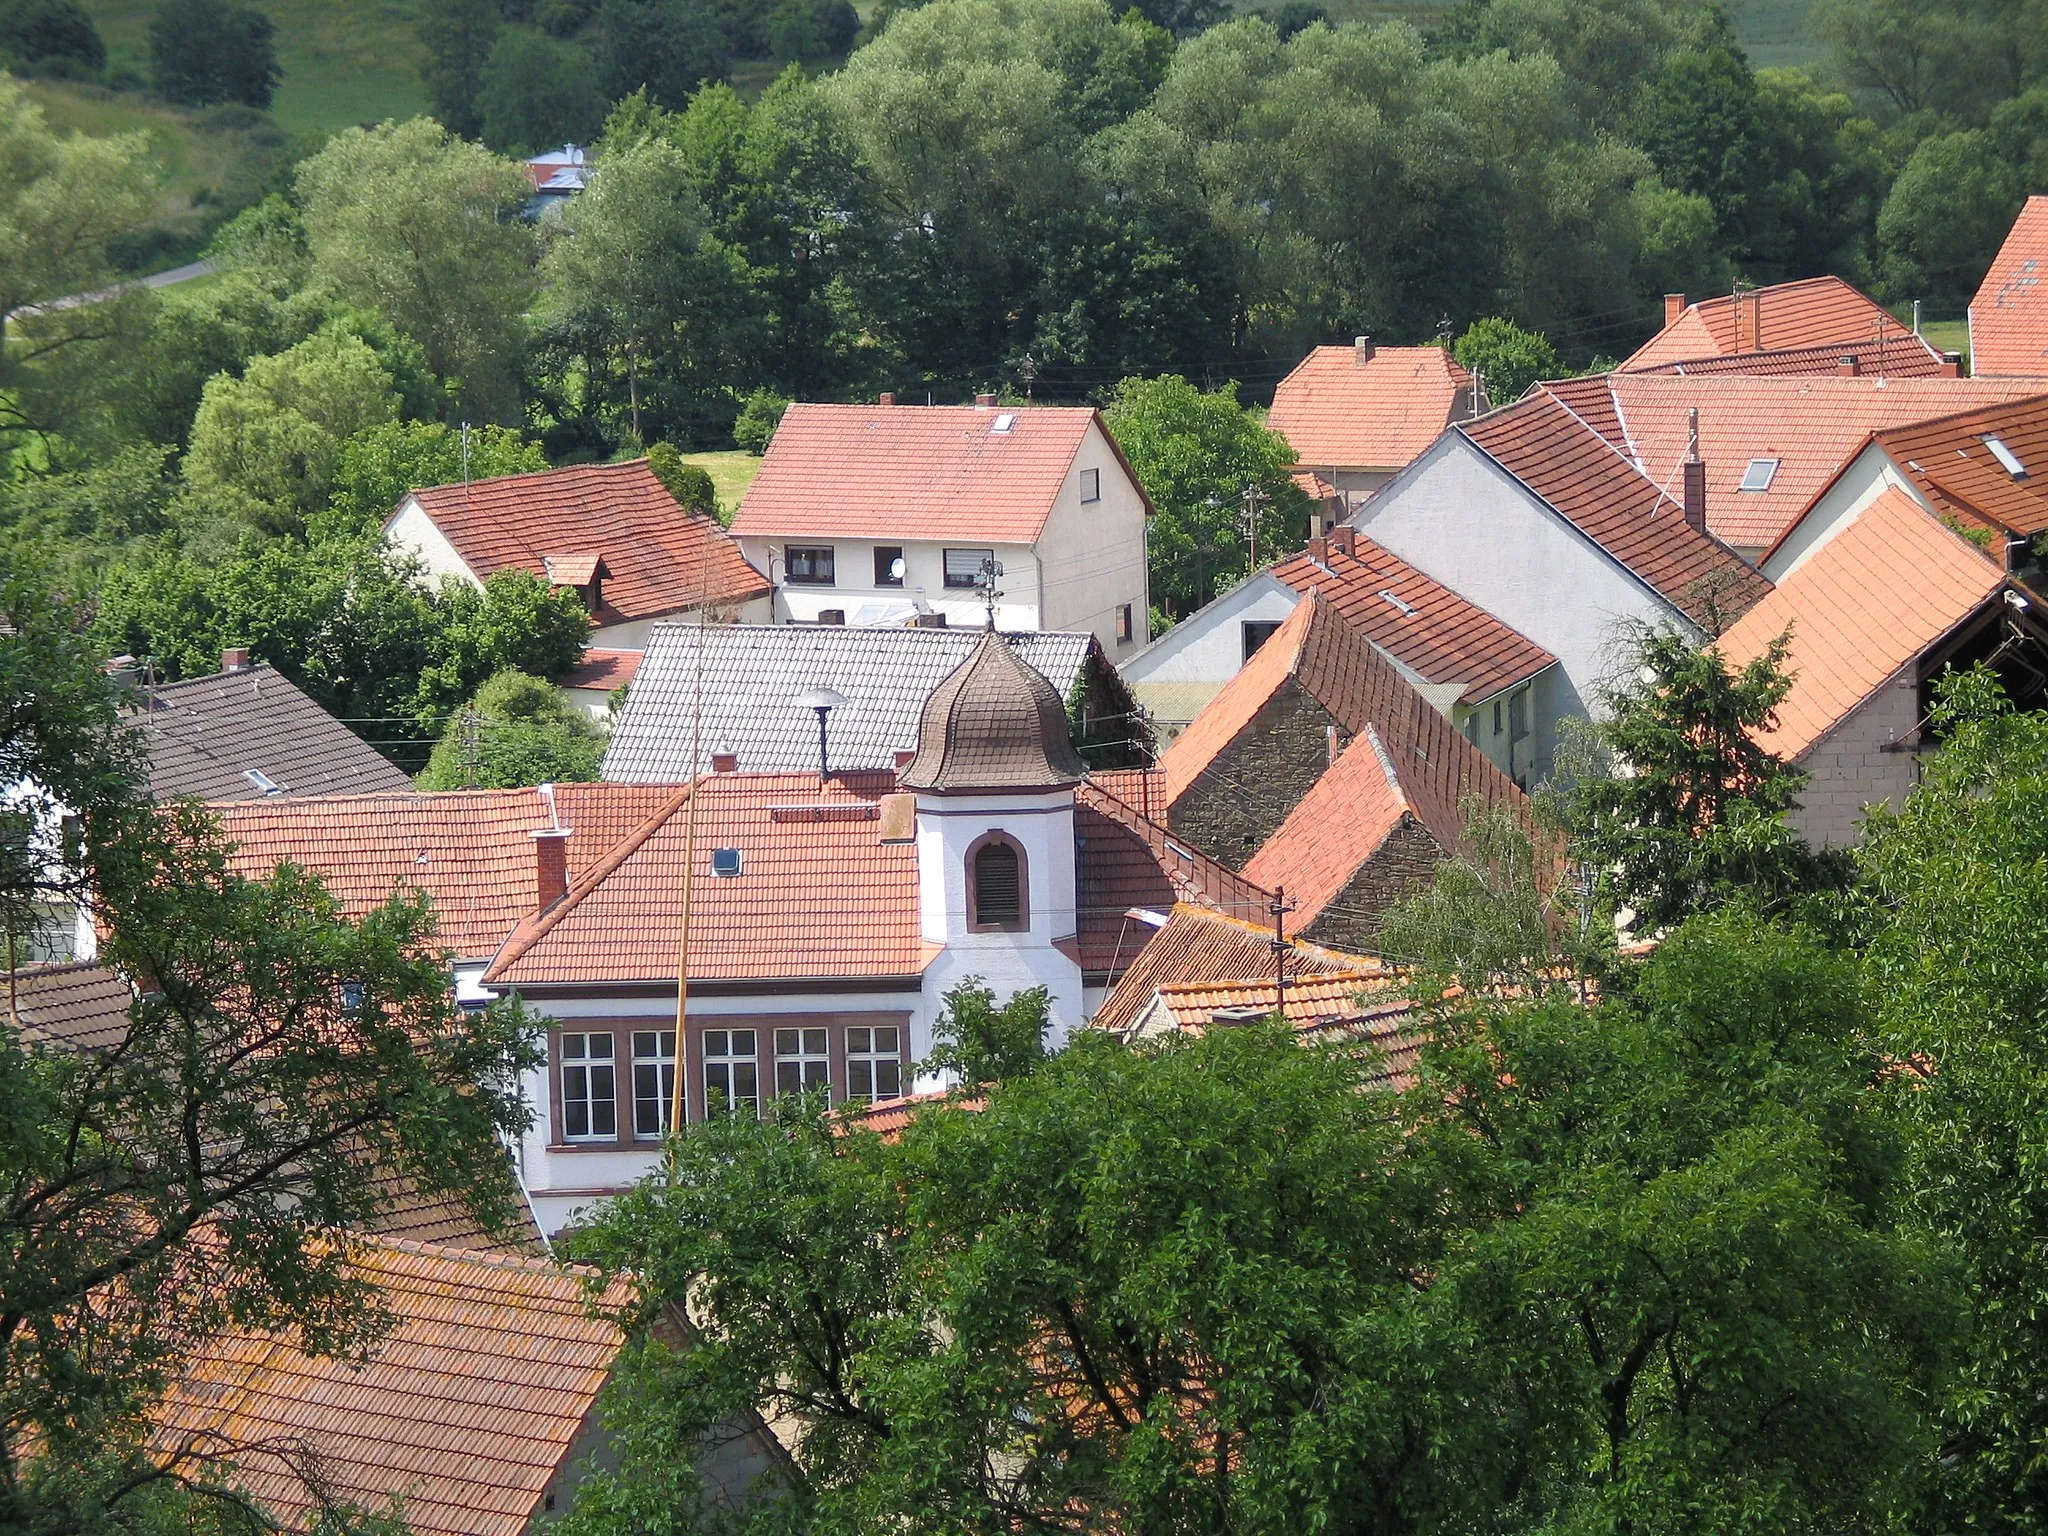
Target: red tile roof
1129 862
466 1411
1554 450
916 472
1813 312
603 670
1199 945
1351 1008
470 850
1899 354
1359 687
79 1005
1950 463
1339 413
1861 607
661 558
1420 623
1811 426
2009 315
889 1118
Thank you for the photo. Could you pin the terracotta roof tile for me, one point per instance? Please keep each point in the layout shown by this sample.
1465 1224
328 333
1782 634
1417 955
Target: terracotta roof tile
1338 413
889 1118
1554 451
603 670
79 1005
1359 687
1126 862
1340 824
1813 312
1950 462
1862 606
2009 315
206 734
1811 426
1899 354
1419 622
1200 945
661 558
1348 1008
467 1410
914 472
470 850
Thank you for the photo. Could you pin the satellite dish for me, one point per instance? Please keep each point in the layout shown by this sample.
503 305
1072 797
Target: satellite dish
896 568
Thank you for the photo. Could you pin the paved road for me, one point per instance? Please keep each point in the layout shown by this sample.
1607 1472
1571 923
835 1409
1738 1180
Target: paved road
183 274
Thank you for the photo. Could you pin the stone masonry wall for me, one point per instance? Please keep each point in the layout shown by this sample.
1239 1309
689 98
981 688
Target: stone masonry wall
1400 865
1254 783
1852 769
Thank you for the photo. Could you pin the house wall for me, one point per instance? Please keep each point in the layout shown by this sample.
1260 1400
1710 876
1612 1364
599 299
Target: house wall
1256 781
1868 476
1490 726
1458 516
633 635
1401 864
1208 645
411 529
1092 554
1857 764
924 560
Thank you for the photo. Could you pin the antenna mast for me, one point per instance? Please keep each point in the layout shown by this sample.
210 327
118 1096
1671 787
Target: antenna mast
682 1052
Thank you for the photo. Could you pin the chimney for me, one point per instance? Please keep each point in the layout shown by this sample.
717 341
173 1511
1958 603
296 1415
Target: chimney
1848 365
235 659
550 866
1674 306
985 402
1951 365
1319 551
898 818
1344 540
928 621
1695 475
1362 350
887 397
725 762
904 757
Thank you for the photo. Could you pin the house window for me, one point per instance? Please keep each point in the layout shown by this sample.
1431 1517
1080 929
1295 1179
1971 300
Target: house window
888 565
800 1060
995 885
1124 624
654 1080
732 1071
1518 716
1759 475
1496 717
1091 485
1256 633
874 1069
808 565
963 566
590 1088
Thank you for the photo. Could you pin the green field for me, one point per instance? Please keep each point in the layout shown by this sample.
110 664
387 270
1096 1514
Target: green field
731 473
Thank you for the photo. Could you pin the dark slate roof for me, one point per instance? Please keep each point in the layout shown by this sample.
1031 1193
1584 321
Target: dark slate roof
79 1005
206 735
993 724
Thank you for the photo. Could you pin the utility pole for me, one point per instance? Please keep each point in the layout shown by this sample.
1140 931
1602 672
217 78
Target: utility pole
1279 907
1254 498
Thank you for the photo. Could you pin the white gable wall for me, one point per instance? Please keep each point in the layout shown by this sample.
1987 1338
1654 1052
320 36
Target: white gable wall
1866 477
1208 645
1458 516
410 529
1091 557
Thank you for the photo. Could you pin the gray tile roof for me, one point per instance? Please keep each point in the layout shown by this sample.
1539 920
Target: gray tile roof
77 1006
207 734
753 674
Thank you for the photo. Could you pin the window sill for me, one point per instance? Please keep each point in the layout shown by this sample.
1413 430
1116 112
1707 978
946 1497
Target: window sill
603 1146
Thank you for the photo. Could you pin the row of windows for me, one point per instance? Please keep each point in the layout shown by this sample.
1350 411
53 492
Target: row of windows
731 1077
817 565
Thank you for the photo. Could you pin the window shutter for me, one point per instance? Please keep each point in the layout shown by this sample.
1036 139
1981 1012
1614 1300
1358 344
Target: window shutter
997 900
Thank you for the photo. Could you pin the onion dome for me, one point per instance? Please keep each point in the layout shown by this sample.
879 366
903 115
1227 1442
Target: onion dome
993 724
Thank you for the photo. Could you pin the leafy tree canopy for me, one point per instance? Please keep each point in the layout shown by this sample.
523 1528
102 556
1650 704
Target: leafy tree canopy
208 51
517 730
1506 358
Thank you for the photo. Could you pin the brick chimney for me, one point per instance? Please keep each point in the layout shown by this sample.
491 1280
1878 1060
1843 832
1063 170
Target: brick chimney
887 397
1695 475
1319 551
235 659
1951 365
985 402
1674 306
1344 540
725 762
550 866
1361 350
1849 365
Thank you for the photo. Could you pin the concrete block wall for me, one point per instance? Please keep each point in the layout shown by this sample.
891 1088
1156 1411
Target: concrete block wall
1851 767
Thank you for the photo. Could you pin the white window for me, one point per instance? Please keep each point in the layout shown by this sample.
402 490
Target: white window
1759 475
1091 485
800 1060
654 1080
1005 422
732 1071
874 1067
590 1088
2007 459
963 566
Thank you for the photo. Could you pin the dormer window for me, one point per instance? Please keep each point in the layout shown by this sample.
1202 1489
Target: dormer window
586 573
996 900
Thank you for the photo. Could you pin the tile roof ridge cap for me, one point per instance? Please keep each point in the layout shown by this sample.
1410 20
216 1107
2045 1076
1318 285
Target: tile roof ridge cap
1635 452
1377 972
559 470
1140 823
1601 438
1379 748
497 1260
1949 417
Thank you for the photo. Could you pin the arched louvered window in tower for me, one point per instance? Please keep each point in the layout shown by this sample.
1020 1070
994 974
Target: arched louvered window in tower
995 885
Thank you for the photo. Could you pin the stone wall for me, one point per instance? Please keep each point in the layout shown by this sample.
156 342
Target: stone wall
1254 783
1397 868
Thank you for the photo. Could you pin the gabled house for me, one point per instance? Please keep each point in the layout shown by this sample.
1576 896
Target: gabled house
1766 445
2009 315
1876 612
756 690
1812 326
1531 515
1975 469
1478 671
610 532
1355 416
247 732
884 514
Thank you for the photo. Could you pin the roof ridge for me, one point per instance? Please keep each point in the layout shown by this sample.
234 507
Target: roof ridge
1601 438
1325 978
1379 748
1954 416
556 471
494 1259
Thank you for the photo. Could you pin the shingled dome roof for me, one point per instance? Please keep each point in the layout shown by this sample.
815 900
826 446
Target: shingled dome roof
994 723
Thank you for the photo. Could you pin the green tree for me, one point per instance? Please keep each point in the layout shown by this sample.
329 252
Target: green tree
809 29
377 466
667 47
51 36
436 251
458 36
1507 358
1198 454
536 93
1945 217
760 414
275 434
517 730
279 1060
690 484
981 1042
207 51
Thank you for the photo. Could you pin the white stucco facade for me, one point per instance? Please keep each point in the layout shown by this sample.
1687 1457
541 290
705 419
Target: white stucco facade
1210 644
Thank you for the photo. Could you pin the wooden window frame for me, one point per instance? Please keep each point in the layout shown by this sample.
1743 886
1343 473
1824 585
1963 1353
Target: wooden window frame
558 1136
974 922
900 1055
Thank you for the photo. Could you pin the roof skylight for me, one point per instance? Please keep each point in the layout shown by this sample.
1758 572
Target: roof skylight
2008 460
1004 422
725 861
1759 475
